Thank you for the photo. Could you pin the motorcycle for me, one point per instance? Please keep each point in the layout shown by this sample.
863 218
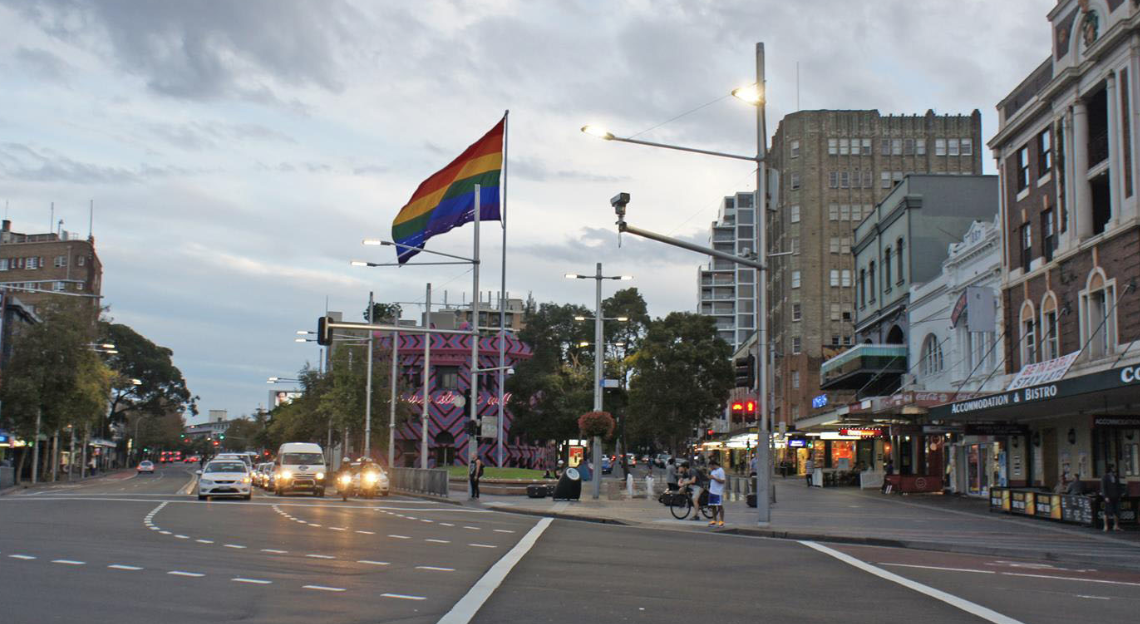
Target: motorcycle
369 484
344 484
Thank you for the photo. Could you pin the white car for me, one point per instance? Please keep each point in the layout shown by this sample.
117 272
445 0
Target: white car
226 477
146 466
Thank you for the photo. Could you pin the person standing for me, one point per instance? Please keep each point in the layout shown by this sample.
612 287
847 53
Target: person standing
716 492
809 469
475 473
671 475
1110 490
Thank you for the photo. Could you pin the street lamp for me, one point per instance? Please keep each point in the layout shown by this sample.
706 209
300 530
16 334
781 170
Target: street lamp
598 340
756 95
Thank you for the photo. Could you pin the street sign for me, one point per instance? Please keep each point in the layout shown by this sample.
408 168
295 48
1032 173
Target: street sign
611 383
490 427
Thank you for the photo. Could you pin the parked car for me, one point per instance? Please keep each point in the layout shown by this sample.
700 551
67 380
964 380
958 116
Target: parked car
146 466
225 477
607 465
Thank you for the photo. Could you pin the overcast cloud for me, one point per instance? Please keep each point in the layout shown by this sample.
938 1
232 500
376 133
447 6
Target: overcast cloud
237 152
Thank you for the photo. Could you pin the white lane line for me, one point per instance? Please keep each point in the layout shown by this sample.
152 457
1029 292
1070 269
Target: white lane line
411 518
1092 597
366 532
923 567
204 541
153 528
400 536
182 536
68 562
472 528
483 545
118 566
181 573
503 531
403 597
1070 578
337 529
367 562
238 579
426 520
238 546
320 556
965 605
166 532
446 524
438 541
435 569
275 551
469 605
323 588
315 524
22 557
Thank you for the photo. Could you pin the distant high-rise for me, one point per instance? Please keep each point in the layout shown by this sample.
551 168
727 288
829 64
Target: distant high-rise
726 289
834 166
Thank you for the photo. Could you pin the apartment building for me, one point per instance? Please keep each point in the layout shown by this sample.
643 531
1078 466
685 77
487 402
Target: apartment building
834 166
33 266
726 291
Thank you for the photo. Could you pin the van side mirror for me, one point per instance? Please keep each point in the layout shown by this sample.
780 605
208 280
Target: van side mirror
198 472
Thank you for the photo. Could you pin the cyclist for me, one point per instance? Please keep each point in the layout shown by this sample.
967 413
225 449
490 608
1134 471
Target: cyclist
691 483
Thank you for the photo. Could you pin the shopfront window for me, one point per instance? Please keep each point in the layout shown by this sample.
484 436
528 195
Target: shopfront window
1120 447
842 454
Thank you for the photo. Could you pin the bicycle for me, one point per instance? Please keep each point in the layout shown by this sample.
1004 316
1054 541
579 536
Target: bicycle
680 504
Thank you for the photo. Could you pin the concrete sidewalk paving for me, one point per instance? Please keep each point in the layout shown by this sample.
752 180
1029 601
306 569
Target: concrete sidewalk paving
848 515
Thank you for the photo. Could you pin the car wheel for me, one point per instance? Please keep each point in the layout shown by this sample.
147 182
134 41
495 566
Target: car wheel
248 496
201 497
319 493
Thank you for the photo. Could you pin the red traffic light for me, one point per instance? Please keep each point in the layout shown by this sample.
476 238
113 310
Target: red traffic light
710 433
736 407
216 443
751 406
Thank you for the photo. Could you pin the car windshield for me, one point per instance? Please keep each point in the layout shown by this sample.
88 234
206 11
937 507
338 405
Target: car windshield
294 459
146 463
230 466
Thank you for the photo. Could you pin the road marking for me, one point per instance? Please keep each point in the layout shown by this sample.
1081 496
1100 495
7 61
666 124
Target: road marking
469 605
337 529
446 524
472 528
366 532
965 605
182 536
435 569
400 536
68 562
909 565
403 597
410 517
238 579
22 557
204 541
321 556
1070 578
274 551
438 541
118 566
314 524
181 573
153 528
367 562
323 588
234 546
483 545
166 532
1092 597
503 531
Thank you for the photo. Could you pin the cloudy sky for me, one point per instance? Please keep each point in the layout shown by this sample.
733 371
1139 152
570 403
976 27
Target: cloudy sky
238 152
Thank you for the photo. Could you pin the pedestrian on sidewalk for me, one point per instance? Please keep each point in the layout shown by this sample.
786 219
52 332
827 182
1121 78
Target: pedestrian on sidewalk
475 473
716 492
809 468
671 475
1110 489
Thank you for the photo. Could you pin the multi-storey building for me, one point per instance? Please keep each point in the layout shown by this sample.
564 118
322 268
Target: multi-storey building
726 289
1066 152
34 265
452 316
834 166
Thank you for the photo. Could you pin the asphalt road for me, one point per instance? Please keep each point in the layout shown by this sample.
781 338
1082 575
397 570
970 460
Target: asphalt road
142 549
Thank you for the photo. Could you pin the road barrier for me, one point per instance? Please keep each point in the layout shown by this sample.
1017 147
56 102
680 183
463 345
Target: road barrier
420 481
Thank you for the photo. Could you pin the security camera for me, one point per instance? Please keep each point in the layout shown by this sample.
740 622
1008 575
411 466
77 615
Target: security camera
620 201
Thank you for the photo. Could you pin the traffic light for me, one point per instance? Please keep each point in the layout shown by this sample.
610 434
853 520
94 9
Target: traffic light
745 369
472 427
324 332
710 433
737 410
221 436
216 443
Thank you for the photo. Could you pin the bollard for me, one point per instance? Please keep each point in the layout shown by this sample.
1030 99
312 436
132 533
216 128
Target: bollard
629 484
649 487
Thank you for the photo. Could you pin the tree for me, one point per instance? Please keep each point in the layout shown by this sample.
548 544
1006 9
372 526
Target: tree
240 435
161 388
681 378
383 312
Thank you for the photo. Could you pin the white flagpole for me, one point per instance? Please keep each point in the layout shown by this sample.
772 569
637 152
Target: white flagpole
503 287
473 438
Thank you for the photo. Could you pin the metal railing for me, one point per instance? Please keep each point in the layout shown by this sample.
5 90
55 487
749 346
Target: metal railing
432 481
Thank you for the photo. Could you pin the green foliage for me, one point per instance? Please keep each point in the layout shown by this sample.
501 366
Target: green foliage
240 435
383 312
681 378
162 388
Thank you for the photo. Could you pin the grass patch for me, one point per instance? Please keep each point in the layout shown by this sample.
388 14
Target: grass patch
497 473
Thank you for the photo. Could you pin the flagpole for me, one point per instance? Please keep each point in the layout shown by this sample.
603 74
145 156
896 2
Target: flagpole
473 437
503 287
425 416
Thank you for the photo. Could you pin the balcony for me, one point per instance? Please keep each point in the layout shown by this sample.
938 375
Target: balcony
870 369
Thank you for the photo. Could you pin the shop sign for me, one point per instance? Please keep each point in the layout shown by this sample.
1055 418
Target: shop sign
868 432
1120 422
1044 372
996 429
797 443
959 308
819 401
939 429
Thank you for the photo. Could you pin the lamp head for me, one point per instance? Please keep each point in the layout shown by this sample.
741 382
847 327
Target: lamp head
749 93
359 263
571 276
597 131
372 242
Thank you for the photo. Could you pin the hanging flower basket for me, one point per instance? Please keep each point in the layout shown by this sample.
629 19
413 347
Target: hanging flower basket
596 424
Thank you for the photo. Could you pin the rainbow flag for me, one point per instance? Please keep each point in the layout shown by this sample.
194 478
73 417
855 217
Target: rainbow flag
446 200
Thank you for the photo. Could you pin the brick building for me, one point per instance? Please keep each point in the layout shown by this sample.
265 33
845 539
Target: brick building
33 265
834 166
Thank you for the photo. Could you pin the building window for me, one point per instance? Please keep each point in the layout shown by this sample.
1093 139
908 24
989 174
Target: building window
899 257
795 181
1044 153
952 146
846 316
835 340
835 311
80 260
833 179
797 345
931 355
795 279
920 147
795 379
846 275
1050 342
887 268
908 147
1098 308
31 263
862 287
797 312
844 212
871 281
845 245
885 179
939 147
835 277
1048 234
58 287
3 264
795 149
1026 246
1022 169
834 247
896 147
866 147
832 147
795 243
60 261
845 179
848 340
448 377
1028 336
896 176
868 181
967 147
795 214
885 147
843 147
833 212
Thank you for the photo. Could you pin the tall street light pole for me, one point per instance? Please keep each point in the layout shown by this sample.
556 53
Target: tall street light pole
368 386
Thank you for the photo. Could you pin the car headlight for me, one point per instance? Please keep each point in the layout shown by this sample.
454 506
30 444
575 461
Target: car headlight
320 476
285 474
207 482
371 477
345 478
245 480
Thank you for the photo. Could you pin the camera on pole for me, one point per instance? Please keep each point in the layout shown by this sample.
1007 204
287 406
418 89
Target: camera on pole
324 331
745 369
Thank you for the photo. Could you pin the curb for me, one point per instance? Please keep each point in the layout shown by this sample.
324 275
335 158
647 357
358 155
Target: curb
429 497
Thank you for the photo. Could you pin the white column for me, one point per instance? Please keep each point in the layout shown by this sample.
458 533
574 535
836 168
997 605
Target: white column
1066 172
1081 214
1115 164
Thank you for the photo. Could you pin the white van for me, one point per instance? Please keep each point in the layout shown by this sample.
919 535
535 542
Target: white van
300 467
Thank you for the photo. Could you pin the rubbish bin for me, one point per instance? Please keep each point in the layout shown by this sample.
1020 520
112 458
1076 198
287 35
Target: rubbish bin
569 487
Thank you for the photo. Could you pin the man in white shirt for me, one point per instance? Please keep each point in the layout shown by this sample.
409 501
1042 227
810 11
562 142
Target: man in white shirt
716 492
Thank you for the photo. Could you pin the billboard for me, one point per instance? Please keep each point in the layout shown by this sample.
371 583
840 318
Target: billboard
282 397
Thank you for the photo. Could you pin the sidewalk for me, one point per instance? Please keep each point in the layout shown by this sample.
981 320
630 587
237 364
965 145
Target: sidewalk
941 523
64 483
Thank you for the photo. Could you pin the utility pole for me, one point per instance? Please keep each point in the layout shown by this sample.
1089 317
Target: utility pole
599 350
425 417
763 446
368 387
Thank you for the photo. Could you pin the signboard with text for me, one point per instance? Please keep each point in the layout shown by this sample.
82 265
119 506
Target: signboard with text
1043 373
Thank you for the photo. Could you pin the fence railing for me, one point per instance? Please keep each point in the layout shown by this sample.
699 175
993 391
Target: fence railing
420 481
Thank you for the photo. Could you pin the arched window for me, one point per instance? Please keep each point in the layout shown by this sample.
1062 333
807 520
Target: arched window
1028 335
931 355
1098 314
1050 341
